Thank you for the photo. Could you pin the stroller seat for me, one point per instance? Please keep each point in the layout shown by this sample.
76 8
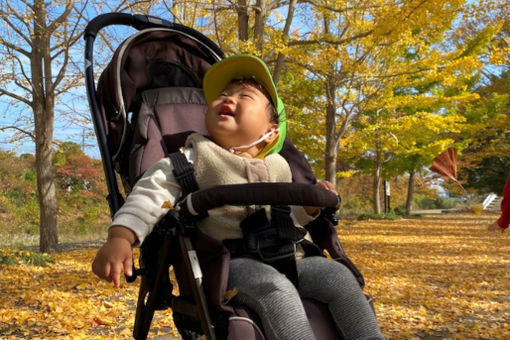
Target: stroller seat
148 100
166 117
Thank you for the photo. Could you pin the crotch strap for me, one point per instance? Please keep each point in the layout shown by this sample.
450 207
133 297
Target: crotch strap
272 242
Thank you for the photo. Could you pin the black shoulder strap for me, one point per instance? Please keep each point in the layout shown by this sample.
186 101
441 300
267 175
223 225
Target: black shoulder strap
184 173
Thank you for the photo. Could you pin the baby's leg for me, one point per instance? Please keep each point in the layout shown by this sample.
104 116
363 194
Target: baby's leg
273 297
333 284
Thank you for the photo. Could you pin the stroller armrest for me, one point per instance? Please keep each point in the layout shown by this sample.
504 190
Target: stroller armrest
262 194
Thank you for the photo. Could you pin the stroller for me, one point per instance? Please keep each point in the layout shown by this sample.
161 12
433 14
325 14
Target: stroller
148 100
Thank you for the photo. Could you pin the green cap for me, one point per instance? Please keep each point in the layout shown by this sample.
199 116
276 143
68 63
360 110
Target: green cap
245 66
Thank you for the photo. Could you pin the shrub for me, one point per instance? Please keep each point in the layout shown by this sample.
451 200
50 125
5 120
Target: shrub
391 215
425 203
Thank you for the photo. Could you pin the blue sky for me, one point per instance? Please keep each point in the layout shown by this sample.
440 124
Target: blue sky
65 129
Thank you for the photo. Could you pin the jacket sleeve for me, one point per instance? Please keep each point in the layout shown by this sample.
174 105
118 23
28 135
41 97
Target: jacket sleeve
504 219
143 206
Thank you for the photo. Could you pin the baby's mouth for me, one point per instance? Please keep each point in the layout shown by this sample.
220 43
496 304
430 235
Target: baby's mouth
226 111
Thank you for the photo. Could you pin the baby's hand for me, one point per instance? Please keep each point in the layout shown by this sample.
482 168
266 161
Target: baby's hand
323 184
327 185
114 257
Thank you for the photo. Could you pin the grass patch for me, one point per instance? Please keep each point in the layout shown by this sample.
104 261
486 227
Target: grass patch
11 257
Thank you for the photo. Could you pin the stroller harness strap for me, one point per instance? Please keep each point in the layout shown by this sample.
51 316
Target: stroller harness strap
272 242
184 173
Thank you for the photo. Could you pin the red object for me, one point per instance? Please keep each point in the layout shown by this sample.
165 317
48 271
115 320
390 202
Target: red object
446 163
504 219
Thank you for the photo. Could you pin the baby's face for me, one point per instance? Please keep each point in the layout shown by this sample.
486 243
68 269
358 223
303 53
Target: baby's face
239 116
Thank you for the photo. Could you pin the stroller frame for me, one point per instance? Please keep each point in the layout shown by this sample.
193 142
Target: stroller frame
146 302
179 224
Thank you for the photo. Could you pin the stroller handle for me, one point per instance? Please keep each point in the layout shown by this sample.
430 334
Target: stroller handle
262 194
137 21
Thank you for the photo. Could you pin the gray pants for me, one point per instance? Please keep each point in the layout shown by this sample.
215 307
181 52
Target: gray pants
278 304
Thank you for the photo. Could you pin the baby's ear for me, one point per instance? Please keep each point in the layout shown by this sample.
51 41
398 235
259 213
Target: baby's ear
270 138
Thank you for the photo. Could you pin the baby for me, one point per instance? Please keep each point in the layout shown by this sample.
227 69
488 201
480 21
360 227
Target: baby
245 121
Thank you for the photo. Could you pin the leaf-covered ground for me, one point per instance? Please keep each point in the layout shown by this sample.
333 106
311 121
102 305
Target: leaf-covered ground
439 277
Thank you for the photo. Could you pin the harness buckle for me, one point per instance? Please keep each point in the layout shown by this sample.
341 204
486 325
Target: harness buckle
280 252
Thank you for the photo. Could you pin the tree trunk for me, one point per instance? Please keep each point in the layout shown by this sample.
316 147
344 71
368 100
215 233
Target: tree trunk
261 11
286 29
331 153
331 140
377 181
242 20
410 192
43 106
45 186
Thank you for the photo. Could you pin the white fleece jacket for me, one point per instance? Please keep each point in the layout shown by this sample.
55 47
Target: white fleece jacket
213 166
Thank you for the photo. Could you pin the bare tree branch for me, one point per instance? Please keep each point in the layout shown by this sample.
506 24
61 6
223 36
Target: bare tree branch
15 96
62 18
19 17
15 28
125 6
330 41
11 45
21 66
29 4
13 127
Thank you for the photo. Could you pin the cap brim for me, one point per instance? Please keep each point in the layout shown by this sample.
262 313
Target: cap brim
237 67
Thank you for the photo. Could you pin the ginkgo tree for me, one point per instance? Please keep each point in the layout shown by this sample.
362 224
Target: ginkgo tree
416 118
486 160
361 72
399 144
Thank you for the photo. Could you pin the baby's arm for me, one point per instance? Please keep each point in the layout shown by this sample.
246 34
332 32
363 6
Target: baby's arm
135 220
115 255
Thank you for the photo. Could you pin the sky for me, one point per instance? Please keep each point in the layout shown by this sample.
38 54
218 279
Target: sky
64 130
